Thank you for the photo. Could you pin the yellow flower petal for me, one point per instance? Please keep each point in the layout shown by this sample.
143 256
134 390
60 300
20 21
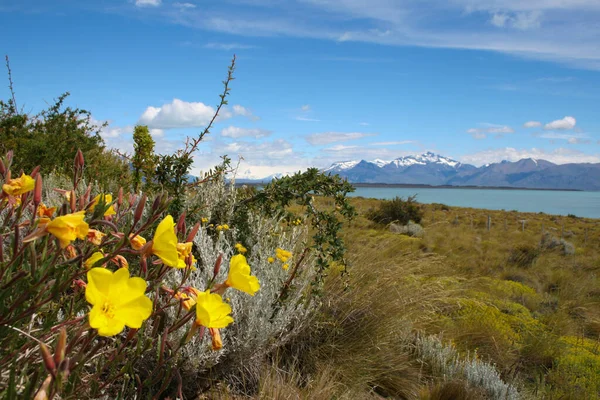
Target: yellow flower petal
117 300
68 227
18 186
94 258
107 200
211 311
239 276
165 243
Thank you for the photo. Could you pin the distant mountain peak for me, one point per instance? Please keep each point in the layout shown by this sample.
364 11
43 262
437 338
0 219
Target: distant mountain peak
400 162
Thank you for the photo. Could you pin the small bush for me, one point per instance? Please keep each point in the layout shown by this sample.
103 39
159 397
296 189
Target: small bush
550 242
397 210
410 229
445 361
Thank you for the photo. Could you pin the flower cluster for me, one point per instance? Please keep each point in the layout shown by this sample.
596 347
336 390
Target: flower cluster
240 248
296 222
283 256
223 227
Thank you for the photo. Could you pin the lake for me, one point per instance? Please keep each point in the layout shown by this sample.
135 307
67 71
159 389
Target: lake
581 204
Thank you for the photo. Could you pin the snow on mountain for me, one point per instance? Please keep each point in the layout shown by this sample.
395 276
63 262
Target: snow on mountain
341 166
400 162
380 163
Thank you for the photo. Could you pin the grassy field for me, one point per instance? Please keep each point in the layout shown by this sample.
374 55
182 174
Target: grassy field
481 300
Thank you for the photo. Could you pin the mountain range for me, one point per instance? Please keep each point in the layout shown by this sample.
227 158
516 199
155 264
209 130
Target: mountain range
433 169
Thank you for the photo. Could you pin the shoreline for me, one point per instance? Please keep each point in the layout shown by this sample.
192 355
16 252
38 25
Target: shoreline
423 186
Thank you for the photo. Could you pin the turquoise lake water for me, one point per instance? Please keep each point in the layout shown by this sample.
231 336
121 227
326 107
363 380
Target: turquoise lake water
581 204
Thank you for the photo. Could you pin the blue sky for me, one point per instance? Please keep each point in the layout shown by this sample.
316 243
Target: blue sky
319 81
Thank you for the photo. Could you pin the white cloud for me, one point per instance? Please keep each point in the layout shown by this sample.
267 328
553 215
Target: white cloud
576 140
559 156
180 114
499 19
184 6
236 132
340 147
532 124
307 119
498 130
364 124
392 143
261 153
331 137
563 124
555 30
305 107
244 112
156 132
563 136
148 3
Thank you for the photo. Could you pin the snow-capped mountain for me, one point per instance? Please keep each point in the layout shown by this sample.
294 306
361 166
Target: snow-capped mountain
400 162
433 169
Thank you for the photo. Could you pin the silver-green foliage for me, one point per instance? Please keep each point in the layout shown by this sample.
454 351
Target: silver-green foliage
445 361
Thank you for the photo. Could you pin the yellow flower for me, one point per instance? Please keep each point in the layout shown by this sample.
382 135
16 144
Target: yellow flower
188 301
211 311
204 220
107 200
89 263
164 244
282 255
117 300
239 276
223 227
271 260
44 211
240 248
183 251
285 267
18 186
95 236
68 228
137 242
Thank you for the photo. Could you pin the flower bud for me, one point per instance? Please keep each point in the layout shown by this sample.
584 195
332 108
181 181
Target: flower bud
47 358
61 345
120 197
217 267
72 201
37 191
79 160
156 204
181 223
217 343
86 195
139 210
35 171
192 234
2 168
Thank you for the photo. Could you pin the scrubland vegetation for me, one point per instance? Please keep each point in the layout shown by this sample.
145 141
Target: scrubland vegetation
146 284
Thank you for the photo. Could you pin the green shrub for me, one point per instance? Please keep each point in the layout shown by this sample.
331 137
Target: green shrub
397 210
